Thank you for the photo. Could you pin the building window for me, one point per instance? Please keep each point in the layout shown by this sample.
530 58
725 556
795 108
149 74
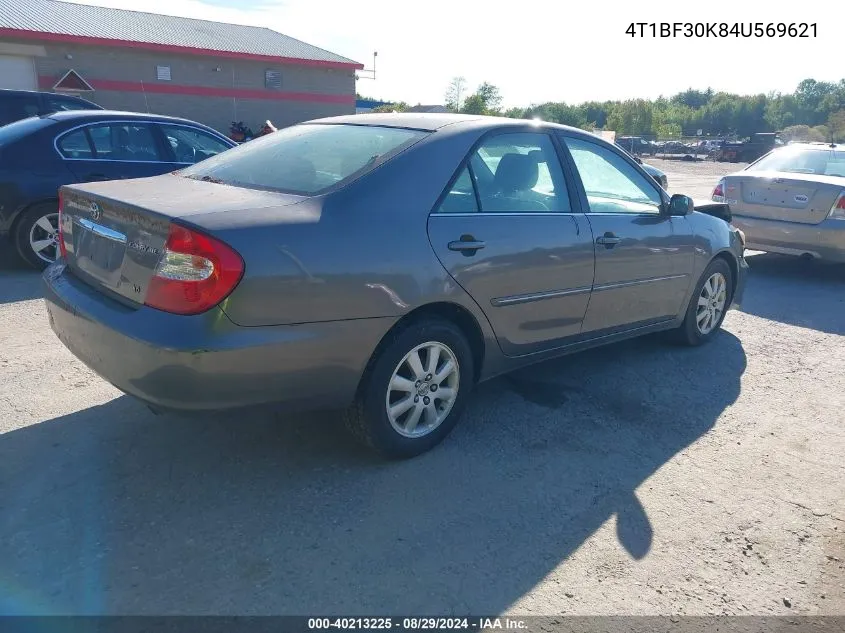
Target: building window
163 73
273 79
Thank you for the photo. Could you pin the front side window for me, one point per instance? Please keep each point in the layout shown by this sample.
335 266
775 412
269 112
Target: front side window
803 160
519 172
190 145
611 183
124 141
305 159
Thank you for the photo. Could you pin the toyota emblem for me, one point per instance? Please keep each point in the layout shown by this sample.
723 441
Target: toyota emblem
96 212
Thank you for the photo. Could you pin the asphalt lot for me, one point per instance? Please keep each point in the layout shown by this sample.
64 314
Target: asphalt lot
636 479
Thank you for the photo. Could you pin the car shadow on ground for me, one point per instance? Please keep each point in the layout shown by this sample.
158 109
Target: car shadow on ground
114 510
812 297
18 281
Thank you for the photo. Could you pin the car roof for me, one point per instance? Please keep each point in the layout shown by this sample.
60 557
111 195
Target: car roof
38 92
431 122
104 115
818 145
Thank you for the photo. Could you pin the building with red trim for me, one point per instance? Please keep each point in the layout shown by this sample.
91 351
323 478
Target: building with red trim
210 72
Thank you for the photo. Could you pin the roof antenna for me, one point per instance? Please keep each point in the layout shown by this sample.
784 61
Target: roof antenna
146 103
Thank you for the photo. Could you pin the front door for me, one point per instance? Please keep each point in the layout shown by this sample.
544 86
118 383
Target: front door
644 258
509 234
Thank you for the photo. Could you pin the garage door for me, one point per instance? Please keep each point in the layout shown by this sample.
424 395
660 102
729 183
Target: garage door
17 73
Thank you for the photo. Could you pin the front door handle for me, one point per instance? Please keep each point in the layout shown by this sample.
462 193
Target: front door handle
609 240
467 245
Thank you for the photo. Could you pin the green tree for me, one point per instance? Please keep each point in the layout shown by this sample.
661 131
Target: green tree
455 93
474 104
392 107
491 97
836 126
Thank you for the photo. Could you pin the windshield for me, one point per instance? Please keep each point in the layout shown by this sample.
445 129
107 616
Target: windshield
305 159
820 161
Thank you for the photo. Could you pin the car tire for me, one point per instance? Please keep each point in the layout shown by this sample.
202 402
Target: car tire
31 228
704 316
421 418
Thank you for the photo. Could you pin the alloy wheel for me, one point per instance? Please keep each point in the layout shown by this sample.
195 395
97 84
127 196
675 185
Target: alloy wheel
44 237
711 303
422 389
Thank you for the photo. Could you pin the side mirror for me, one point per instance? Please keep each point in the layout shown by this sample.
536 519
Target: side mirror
638 159
680 204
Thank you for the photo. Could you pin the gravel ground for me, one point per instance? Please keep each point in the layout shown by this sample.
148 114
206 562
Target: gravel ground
696 179
635 479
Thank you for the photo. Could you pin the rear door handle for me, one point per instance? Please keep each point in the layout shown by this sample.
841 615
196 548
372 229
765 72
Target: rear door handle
467 245
609 240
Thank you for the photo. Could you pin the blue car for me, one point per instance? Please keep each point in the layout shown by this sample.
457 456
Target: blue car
40 154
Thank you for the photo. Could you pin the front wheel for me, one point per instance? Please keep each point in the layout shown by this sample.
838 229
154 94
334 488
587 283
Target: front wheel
415 390
708 305
36 235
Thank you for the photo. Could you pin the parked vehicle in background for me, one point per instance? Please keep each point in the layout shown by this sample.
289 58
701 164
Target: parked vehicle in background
21 104
381 264
709 146
659 177
749 150
791 201
635 145
40 154
676 147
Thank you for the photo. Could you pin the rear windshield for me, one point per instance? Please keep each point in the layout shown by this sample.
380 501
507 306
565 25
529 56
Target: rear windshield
17 130
305 159
803 160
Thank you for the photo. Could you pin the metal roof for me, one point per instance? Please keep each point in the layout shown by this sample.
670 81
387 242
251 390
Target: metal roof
69 21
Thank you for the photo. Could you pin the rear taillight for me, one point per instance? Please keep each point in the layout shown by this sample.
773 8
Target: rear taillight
195 273
719 192
62 249
837 211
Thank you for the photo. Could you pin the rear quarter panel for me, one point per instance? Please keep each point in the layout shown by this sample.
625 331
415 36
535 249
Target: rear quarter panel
360 252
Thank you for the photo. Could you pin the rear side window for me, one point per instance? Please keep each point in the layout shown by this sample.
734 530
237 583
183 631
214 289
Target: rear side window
124 142
75 145
305 159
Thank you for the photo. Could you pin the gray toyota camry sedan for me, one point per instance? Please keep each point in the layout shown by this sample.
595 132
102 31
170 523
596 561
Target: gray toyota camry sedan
381 265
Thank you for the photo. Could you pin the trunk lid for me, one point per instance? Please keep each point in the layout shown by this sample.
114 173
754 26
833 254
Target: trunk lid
783 196
115 232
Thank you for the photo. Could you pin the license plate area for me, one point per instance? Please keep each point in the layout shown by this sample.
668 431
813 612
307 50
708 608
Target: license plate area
99 251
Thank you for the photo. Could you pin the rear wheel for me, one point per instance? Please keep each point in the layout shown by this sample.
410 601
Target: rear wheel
415 390
708 305
36 235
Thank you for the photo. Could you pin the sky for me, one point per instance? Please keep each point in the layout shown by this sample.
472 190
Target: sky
541 50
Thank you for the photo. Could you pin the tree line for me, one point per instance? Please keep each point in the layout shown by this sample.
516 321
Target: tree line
815 111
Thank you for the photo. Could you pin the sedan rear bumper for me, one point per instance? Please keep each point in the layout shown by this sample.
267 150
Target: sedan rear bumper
205 362
825 240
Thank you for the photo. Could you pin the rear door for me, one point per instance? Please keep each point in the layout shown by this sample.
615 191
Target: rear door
113 151
511 234
644 258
